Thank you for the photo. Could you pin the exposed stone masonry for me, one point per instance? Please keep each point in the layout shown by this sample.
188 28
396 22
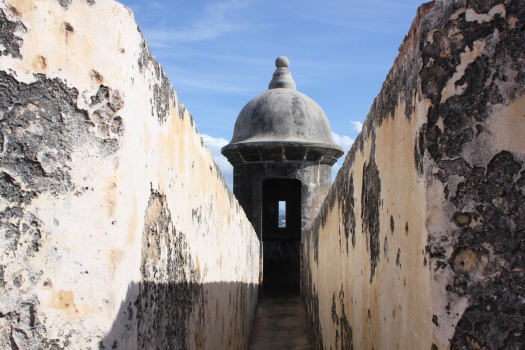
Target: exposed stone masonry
117 231
457 87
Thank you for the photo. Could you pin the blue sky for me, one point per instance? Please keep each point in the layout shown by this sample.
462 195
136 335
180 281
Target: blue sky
218 55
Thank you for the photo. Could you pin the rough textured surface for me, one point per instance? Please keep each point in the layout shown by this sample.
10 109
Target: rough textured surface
9 39
282 115
280 323
164 309
117 230
437 175
370 203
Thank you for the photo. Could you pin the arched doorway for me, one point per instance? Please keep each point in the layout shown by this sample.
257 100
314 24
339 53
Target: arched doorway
281 234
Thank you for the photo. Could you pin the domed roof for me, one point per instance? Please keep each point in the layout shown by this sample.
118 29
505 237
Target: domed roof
282 116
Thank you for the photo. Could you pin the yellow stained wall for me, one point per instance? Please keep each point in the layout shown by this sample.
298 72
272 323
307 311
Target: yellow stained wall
393 310
441 157
130 172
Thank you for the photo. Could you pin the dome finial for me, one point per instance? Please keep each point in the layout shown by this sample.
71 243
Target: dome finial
282 62
282 78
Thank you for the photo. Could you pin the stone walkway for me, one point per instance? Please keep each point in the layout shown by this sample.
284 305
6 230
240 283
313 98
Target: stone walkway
280 323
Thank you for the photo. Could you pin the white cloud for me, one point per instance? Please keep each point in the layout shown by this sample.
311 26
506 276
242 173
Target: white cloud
343 141
335 169
357 126
346 142
215 144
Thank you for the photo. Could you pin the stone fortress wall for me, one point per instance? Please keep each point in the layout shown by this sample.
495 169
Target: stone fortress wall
420 243
117 229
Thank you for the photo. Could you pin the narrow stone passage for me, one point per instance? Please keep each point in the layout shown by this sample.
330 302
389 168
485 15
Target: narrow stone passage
280 323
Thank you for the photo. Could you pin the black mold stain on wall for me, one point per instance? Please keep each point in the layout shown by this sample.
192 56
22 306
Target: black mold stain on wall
496 316
489 201
312 307
163 94
370 200
402 80
167 309
418 154
64 3
164 309
343 191
123 333
343 330
164 97
10 42
38 156
463 115
347 203
40 129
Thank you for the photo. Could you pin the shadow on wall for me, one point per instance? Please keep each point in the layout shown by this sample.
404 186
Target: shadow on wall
184 315
170 308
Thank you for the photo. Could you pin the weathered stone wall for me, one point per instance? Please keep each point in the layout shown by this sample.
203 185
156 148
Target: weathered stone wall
248 187
420 243
117 229
315 183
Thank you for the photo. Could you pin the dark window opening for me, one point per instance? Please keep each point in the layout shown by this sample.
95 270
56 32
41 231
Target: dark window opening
281 234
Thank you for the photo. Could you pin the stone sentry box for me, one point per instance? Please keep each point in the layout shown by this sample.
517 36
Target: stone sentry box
281 150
